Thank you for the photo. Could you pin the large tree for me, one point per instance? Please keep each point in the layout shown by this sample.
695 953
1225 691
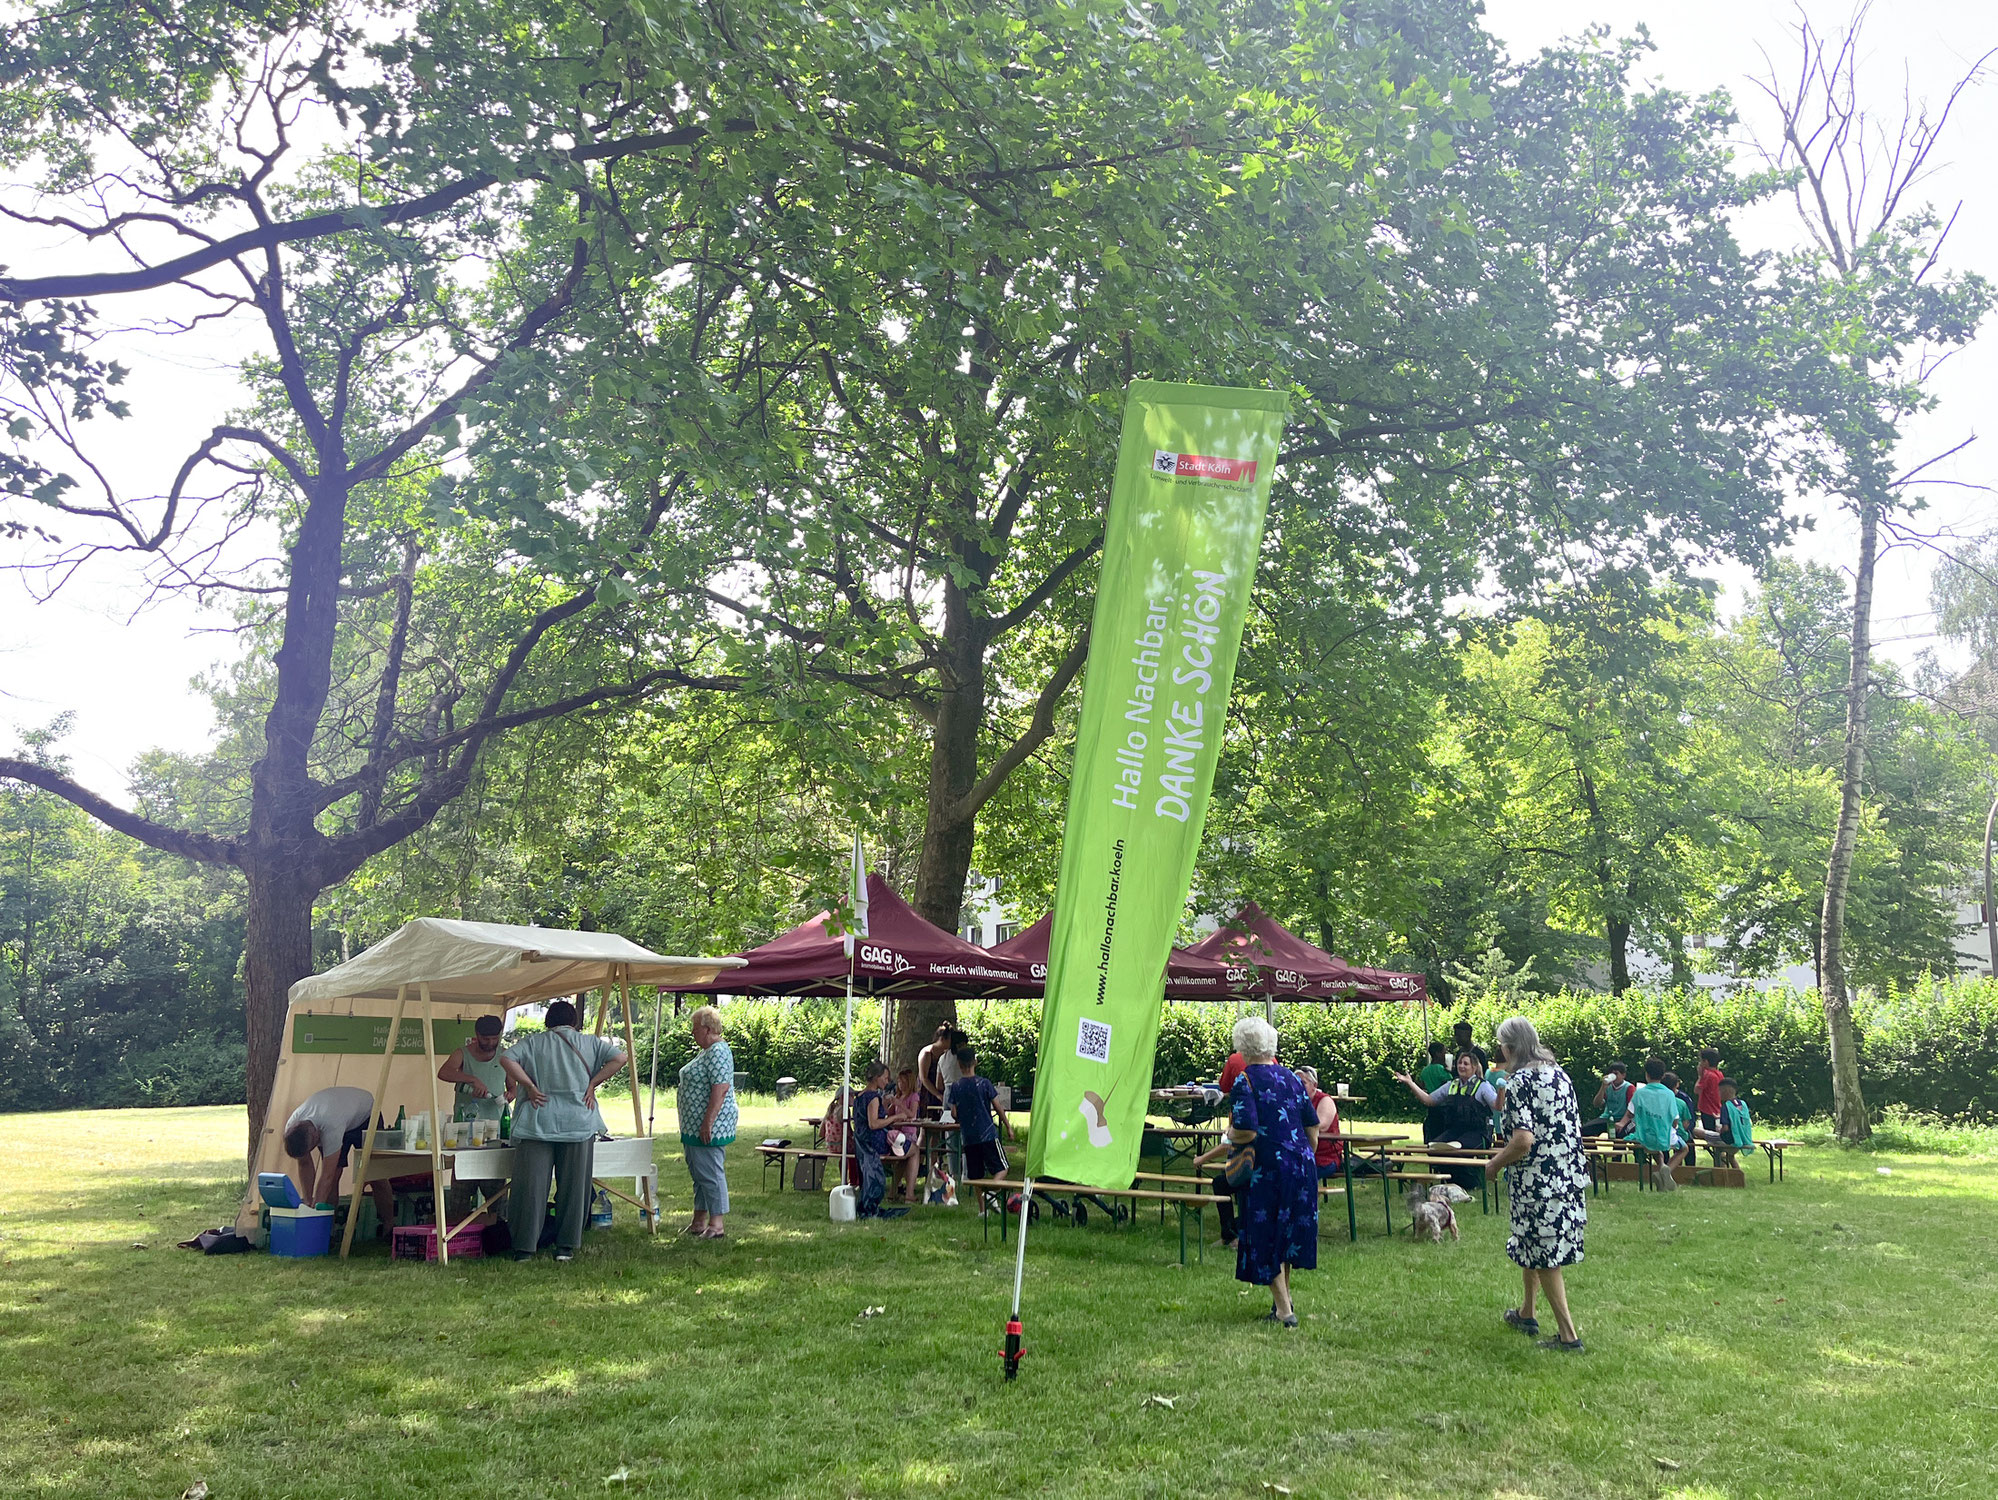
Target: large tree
350 192
1522 335
1889 313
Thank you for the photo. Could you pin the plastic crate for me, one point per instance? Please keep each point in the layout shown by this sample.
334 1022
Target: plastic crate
419 1242
301 1232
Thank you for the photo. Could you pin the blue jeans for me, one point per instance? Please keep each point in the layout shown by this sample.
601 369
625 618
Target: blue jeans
706 1167
873 1182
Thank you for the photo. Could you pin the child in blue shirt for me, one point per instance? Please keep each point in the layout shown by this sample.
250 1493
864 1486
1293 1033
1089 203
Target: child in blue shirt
1736 1132
1652 1119
974 1104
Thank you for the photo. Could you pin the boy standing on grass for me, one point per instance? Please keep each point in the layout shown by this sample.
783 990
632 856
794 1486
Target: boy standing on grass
1653 1117
1706 1089
974 1103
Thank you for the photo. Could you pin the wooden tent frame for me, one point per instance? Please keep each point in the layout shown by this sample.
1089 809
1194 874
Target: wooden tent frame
620 978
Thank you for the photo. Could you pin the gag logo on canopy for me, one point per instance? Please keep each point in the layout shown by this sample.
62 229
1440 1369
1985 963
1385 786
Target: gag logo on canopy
1401 982
1199 466
884 958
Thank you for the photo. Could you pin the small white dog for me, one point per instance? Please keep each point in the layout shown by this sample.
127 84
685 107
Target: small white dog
1434 1210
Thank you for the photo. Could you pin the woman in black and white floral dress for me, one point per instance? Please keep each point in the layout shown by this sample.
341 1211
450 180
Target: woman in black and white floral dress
1549 1186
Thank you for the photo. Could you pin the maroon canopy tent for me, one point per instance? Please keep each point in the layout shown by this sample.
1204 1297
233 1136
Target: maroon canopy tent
1188 976
1294 969
902 956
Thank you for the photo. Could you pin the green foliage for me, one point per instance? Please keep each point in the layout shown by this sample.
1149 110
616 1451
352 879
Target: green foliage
117 965
1931 1050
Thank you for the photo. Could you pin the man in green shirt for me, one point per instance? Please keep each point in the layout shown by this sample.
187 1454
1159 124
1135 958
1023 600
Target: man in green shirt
1435 1072
482 1085
1434 1075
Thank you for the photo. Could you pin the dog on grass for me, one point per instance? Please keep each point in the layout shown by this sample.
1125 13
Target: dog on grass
1433 1210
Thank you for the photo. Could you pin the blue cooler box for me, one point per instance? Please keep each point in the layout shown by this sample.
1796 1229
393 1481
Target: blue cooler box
301 1232
278 1190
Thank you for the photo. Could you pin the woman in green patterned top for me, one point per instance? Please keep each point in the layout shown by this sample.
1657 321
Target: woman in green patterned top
707 1121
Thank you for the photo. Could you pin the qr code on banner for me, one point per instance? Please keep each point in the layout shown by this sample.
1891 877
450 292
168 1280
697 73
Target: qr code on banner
1092 1040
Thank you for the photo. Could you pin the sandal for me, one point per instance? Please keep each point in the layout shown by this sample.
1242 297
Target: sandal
1289 1320
1564 1346
1527 1326
712 1234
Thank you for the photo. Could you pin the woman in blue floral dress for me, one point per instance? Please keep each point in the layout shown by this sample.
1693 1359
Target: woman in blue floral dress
1268 1108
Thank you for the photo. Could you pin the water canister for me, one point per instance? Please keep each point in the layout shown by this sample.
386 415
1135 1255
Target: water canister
600 1210
841 1204
786 1087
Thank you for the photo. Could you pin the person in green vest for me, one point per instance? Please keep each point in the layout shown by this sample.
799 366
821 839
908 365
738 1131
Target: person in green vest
556 1072
484 1090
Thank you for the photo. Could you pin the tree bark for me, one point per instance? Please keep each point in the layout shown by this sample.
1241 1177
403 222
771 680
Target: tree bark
949 831
1848 1105
1617 932
277 952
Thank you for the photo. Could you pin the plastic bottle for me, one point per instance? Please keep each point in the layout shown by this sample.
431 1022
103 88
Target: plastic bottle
600 1210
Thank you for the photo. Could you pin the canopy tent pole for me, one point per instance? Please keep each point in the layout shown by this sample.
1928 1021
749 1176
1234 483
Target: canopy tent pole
652 1099
1013 1350
631 1068
375 1115
603 1007
1425 1022
436 1131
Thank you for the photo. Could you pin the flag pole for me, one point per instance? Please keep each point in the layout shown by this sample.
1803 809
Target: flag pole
1013 1350
845 1089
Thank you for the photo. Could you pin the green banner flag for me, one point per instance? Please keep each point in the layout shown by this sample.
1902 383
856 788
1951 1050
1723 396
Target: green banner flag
1179 558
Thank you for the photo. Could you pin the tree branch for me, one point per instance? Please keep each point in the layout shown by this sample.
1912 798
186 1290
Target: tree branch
202 847
319 226
1039 728
1045 589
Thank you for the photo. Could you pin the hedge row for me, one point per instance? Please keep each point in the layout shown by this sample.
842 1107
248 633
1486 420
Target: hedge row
1933 1050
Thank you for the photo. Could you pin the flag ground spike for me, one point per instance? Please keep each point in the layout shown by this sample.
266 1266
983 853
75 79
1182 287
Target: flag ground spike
1013 1349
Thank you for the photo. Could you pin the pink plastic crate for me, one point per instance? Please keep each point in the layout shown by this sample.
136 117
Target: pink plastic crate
419 1242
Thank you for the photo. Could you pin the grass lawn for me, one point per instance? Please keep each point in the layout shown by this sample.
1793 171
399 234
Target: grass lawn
1834 1334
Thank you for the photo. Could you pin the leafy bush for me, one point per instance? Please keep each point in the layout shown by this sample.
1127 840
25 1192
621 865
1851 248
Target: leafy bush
1932 1052
193 1070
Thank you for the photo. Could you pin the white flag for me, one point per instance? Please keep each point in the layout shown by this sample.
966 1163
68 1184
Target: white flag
857 928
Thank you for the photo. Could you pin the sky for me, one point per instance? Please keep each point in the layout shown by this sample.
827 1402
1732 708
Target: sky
125 666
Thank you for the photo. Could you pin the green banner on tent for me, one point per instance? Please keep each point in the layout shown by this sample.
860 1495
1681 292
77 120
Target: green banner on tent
356 1034
1179 558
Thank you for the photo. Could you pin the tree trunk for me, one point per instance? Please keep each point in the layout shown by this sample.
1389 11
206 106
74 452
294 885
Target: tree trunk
1618 934
1848 1105
948 833
1675 950
277 952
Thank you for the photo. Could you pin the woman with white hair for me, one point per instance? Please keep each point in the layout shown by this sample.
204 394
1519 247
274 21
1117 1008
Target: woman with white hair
1270 1116
707 1121
1548 1189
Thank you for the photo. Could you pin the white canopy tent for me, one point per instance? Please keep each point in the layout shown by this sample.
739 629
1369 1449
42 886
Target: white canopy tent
347 1025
